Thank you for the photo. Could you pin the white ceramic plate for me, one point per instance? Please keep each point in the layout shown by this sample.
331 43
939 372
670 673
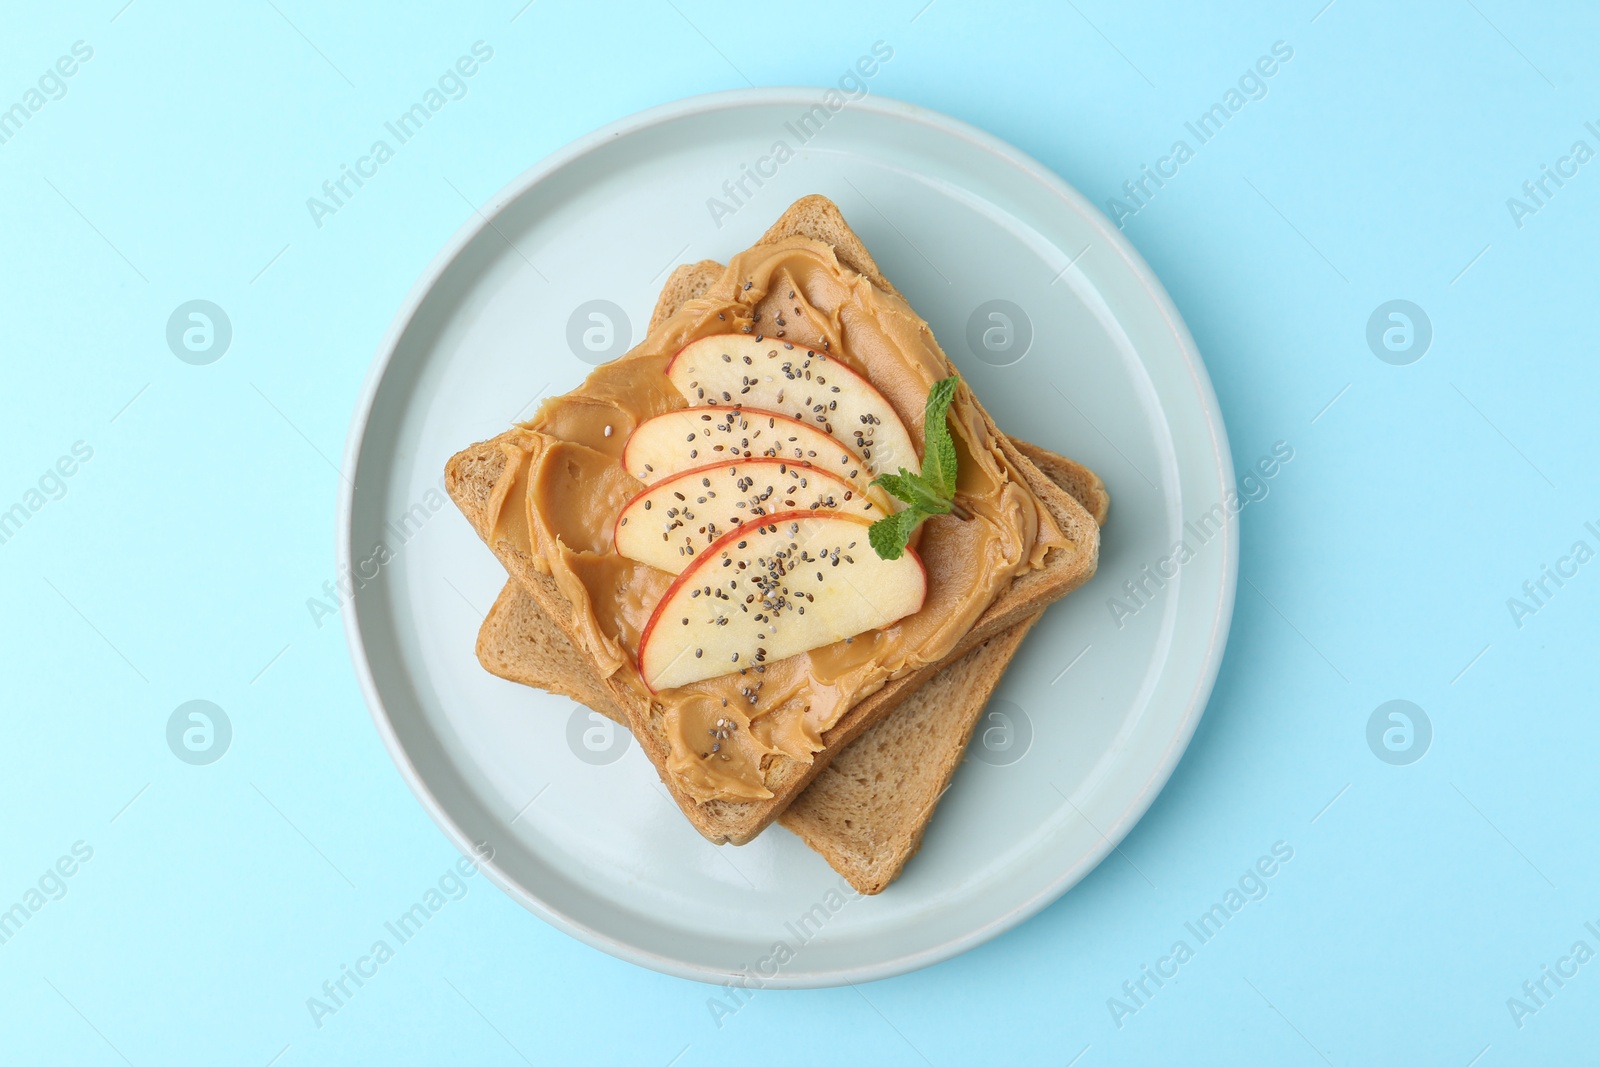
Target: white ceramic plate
1094 712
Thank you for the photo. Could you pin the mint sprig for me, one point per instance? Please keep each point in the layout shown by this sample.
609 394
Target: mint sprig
932 492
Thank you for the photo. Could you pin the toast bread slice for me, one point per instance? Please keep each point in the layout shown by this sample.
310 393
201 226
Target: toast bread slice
472 474
866 813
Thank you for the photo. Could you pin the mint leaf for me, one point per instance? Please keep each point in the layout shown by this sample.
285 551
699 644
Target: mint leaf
890 535
933 492
945 450
914 490
939 450
898 485
927 498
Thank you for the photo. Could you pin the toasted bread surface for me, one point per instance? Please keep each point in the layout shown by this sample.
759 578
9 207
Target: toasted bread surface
472 474
866 813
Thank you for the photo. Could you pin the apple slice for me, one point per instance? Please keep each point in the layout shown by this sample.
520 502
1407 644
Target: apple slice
798 581
672 520
739 370
694 437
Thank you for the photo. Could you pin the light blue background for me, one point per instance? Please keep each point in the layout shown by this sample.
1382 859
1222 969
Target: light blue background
178 563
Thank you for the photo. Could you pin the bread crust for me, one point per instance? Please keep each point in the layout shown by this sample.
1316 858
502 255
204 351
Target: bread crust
471 475
867 812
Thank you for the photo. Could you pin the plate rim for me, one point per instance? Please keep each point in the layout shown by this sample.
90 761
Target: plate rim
1072 200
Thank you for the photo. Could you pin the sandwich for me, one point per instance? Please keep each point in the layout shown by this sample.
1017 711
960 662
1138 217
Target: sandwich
772 522
866 812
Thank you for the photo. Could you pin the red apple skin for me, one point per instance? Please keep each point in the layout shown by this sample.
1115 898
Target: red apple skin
833 361
750 412
623 459
668 368
718 466
837 365
715 546
863 386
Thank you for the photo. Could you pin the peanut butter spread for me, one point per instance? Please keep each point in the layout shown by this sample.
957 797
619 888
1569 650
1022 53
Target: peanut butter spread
564 485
